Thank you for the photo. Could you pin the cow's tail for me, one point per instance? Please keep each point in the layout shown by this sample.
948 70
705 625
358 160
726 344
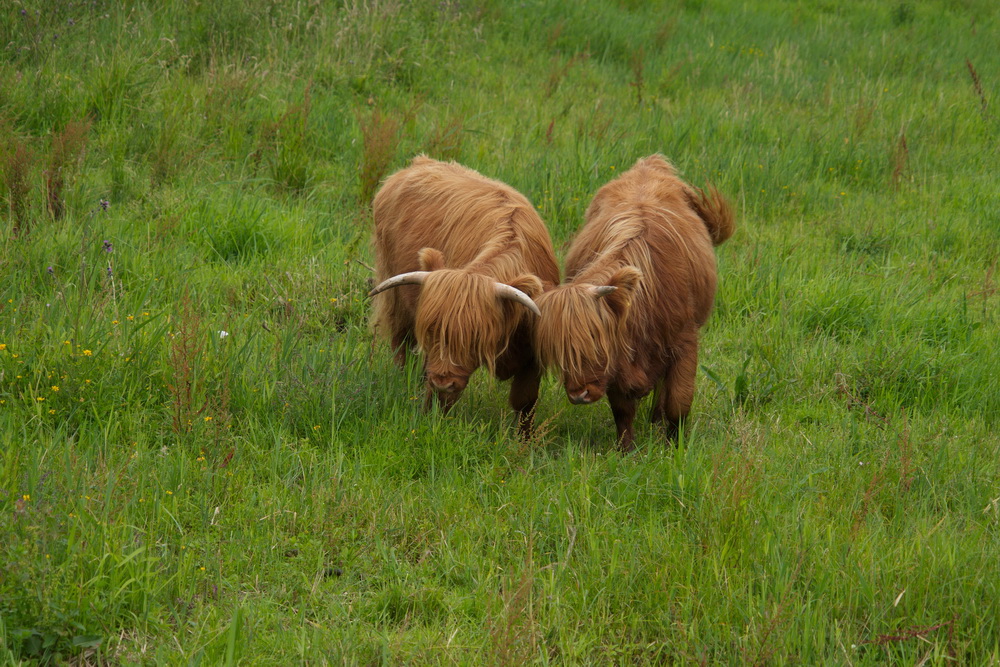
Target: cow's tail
714 211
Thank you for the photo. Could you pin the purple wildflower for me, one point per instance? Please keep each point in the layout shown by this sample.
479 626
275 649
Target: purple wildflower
108 247
110 272
51 271
105 204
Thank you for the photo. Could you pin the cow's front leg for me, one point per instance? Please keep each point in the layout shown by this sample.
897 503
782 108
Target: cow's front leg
524 396
623 408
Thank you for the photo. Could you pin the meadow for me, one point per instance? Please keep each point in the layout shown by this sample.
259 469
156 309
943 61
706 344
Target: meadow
206 458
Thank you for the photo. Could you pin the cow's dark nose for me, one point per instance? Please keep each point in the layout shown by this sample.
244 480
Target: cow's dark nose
578 396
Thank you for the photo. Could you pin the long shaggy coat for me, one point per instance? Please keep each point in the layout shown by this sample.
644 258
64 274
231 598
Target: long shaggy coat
470 233
641 281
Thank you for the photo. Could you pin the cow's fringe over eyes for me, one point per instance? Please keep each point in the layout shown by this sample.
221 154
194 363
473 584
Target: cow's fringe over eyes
577 331
581 333
461 321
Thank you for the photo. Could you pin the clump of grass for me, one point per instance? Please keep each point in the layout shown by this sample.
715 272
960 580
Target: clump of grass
919 632
638 64
559 71
867 500
514 632
17 162
380 134
905 451
871 242
445 142
67 150
186 351
767 644
284 147
900 157
164 158
862 115
987 288
902 14
855 401
977 85
555 32
754 385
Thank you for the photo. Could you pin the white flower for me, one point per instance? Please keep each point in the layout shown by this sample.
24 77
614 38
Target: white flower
223 334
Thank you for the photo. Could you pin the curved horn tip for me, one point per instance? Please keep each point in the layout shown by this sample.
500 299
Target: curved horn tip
411 278
514 294
603 290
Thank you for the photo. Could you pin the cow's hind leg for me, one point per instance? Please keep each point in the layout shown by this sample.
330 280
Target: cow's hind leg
390 313
401 340
676 392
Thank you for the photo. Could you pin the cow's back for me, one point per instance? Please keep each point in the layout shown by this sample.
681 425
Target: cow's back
643 219
473 220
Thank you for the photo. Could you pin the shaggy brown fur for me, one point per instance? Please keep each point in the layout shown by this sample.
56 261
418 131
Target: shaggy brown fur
470 232
641 282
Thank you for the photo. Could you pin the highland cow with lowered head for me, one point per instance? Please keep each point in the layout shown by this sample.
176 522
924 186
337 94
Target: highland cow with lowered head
640 283
459 258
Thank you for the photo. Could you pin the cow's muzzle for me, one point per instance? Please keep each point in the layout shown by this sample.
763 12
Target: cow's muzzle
447 384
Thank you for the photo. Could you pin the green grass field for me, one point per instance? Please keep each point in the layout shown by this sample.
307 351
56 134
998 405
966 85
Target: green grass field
205 458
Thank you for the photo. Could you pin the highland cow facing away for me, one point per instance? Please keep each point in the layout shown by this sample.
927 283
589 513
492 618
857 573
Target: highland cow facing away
459 258
641 282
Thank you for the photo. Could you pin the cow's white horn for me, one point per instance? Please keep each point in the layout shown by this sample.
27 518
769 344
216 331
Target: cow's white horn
411 278
514 294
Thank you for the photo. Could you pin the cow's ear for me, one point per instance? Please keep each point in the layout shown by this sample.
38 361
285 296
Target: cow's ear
431 259
625 281
527 283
